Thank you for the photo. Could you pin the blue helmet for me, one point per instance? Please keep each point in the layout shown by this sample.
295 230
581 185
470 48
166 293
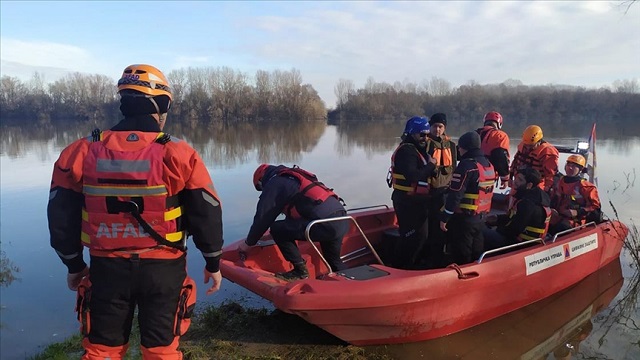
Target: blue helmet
416 125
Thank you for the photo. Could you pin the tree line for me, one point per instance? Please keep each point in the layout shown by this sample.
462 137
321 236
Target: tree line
549 105
214 97
201 96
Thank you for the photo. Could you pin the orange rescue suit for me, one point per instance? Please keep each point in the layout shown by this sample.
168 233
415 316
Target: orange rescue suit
579 195
543 158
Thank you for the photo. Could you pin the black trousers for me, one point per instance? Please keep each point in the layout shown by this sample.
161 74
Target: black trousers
118 285
465 242
412 214
329 235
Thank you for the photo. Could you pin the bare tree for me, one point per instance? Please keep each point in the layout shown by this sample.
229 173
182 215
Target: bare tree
342 90
627 86
439 87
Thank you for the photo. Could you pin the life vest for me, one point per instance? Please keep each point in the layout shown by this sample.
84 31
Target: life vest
538 230
399 181
311 192
127 206
569 196
444 162
477 199
533 159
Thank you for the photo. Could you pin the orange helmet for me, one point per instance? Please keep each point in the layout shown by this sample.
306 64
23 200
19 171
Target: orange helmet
259 174
577 159
532 134
146 79
494 116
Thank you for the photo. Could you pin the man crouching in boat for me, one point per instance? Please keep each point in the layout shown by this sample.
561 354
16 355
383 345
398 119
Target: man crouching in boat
468 200
528 219
299 195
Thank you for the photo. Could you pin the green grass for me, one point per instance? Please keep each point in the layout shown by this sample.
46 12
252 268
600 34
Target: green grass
232 332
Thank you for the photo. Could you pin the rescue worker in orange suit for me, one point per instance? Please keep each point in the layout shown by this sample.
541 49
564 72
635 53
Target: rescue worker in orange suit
495 145
468 201
299 195
528 219
534 152
132 195
411 168
574 199
443 151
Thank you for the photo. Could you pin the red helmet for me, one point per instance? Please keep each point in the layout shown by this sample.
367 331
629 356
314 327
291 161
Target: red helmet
494 116
259 174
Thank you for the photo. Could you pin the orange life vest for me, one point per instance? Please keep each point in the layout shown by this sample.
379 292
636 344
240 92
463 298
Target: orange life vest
477 199
534 159
444 162
127 206
311 190
569 196
399 181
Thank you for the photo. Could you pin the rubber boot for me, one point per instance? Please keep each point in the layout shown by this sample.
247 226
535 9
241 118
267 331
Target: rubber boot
299 272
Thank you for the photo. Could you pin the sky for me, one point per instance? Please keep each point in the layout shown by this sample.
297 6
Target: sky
583 43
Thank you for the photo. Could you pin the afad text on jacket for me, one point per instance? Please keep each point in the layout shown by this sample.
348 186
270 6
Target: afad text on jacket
127 206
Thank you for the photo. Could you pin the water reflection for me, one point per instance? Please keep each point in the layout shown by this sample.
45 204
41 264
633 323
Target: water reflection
284 142
556 325
353 157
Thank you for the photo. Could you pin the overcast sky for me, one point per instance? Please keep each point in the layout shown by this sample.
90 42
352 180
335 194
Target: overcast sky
586 43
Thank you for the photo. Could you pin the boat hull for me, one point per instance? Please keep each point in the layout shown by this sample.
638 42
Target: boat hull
384 305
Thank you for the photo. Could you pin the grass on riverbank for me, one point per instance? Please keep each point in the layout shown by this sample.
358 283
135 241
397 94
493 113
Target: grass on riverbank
230 331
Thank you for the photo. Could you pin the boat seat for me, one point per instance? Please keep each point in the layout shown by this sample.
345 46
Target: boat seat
363 272
386 247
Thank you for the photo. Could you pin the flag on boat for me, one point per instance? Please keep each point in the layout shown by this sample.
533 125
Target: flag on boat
591 156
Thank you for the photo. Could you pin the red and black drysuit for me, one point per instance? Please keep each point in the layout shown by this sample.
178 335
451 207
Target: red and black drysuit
410 171
283 192
468 200
528 219
100 184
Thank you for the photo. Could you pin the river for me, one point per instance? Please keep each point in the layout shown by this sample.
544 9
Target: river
37 308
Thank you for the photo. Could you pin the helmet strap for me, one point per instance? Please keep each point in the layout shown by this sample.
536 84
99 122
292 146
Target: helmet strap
155 104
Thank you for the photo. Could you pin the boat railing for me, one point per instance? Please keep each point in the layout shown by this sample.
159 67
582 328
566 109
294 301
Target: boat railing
339 218
368 207
538 240
564 232
509 247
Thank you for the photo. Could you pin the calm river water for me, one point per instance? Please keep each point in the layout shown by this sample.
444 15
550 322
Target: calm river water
37 309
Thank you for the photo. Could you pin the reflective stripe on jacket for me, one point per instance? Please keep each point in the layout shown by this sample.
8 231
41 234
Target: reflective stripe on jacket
399 181
119 182
537 230
477 199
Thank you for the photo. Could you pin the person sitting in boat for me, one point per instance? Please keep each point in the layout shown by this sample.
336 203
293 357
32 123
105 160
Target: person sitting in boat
410 170
468 201
528 219
495 145
574 199
299 195
535 152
